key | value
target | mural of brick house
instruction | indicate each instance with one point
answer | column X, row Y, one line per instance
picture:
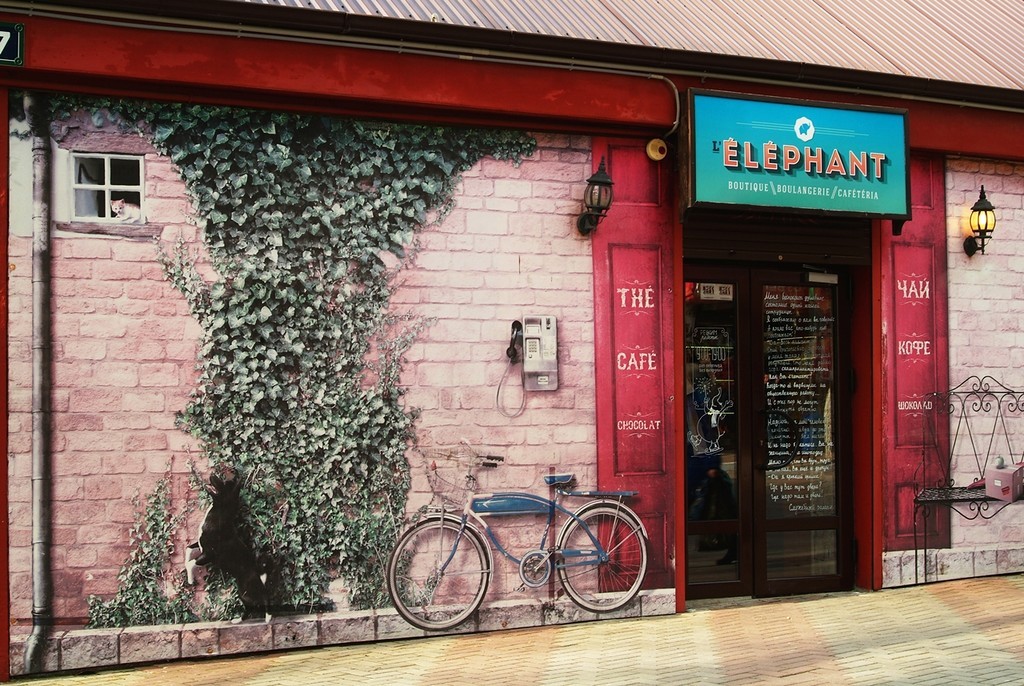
column 675, row 316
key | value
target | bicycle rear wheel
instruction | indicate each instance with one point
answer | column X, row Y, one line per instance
column 438, row 573
column 592, row 584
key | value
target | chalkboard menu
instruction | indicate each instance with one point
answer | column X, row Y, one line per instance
column 799, row 326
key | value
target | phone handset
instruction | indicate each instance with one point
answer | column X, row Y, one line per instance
column 514, row 352
column 534, row 346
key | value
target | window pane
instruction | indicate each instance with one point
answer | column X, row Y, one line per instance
column 712, row 441
column 90, row 171
column 793, row 554
column 799, row 324
column 125, row 172
column 90, row 204
column 712, row 558
column 107, row 187
column 710, row 412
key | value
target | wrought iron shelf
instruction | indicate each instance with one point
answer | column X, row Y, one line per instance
column 978, row 504
column 970, row 423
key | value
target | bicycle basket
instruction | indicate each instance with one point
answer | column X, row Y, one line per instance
column 451, row 471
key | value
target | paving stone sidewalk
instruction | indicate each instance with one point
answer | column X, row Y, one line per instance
column 951, row 633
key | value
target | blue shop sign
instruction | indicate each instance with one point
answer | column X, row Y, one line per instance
column 754, row 151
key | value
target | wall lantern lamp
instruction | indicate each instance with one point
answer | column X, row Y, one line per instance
column 983, row 223
column 597, row 198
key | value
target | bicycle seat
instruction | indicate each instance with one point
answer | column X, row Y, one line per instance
column 559, row 479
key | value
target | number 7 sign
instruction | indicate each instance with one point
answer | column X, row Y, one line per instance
column 12, row 44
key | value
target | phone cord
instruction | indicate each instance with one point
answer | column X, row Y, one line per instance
column 522, row 399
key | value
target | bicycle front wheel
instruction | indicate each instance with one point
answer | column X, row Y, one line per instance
column 592, row 583
column 438, row 573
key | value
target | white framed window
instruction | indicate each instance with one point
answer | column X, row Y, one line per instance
column 107, row 188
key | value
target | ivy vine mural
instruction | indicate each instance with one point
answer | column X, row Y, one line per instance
column 306, row 221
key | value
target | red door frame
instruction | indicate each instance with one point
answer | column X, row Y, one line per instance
column 866, row 364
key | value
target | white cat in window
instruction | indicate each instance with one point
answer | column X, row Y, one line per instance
column 124, row 211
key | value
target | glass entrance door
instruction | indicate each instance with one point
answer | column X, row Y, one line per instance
column 766, row 483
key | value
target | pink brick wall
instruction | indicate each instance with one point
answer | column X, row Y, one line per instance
column 986, row 318
column 509, row 249
column 125, row 349
column 986, row 325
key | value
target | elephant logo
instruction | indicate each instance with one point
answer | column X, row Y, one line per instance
column 804, row 129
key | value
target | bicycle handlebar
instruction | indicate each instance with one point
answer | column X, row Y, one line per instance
column 464, row 458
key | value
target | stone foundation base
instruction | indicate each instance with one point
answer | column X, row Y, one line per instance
column 79, row 649
column 905, row 568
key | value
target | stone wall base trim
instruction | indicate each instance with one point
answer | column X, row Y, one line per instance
column 905, row 568
column 89, row 649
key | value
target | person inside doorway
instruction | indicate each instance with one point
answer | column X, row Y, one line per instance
column 710, row 489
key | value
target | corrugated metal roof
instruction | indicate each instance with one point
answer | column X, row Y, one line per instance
column 977, row 42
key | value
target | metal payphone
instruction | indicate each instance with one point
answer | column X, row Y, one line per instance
column 540, row 353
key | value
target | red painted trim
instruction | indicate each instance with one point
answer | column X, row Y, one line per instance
column 633, row 249
column 861, row 406
column 63, row 54
column 921, row 251
column 866, row 360
column 877, row 547
column 965, row 130
column 679, row 345
column 174, row 64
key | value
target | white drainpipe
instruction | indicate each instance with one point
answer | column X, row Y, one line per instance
column 42, row 583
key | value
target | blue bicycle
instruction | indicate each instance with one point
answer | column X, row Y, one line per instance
column 440, row 569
